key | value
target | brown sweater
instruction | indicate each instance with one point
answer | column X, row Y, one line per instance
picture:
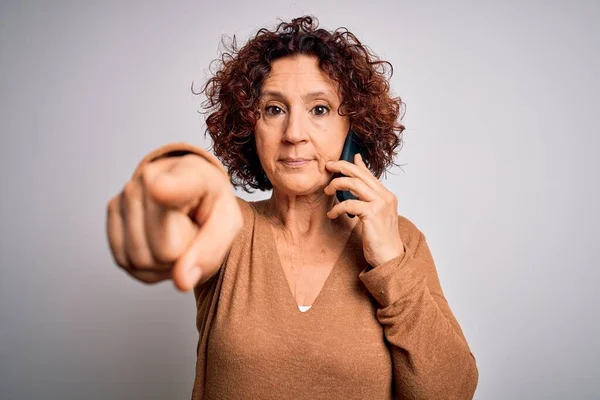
column 372, row 333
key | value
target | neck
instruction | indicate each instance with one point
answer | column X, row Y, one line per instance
column 303, row 217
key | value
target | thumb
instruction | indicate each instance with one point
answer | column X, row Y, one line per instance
column 209, row 248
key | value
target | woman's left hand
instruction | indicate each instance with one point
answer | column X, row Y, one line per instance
column 376, row 207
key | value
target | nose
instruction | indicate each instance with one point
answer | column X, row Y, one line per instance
column 295, row 129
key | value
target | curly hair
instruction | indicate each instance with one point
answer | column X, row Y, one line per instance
column 233, row 94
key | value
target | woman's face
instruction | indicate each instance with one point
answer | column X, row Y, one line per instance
column 299, row 121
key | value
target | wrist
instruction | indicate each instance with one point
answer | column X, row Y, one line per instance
column 398, row 254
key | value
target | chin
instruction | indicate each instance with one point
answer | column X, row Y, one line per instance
column 300, row 186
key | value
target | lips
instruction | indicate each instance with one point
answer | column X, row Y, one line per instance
column 295, row 162
column 290, row 159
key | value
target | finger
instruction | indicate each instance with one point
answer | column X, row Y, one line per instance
column 181, row 185
column 168, row 231
column 386, row 195
column 132, row 208
column 115, row 232
column 213, row 240
column 355, row 185
column 355, row 207
column 355, row 171
column 358, row 160
column 150, row 277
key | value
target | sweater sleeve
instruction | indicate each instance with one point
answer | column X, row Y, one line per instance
column 430, row 355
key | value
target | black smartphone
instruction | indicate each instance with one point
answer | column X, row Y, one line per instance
column 352, row 146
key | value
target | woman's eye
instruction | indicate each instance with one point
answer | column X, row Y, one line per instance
column 320, row 110
column 273, row 110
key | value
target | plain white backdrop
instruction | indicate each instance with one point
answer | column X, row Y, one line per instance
column 500, row 173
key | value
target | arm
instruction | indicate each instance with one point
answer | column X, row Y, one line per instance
column 431, row 357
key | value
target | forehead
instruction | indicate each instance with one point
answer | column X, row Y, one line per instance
column 299, row 73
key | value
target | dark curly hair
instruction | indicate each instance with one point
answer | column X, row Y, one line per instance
column 233, row 93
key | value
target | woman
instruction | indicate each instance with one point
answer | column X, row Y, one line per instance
column 295, row 298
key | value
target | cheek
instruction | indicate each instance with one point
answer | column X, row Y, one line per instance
column 267, row 152
column 261, row 138
column 329, row 150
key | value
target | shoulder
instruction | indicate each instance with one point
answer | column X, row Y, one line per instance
column 247, row 208
column 248, row 211
column 250, row 214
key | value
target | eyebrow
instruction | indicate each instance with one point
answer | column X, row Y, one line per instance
column 307, row 96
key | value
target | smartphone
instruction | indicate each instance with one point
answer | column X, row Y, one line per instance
column 352, row 146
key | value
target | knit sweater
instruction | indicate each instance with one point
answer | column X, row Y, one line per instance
column 372, row 333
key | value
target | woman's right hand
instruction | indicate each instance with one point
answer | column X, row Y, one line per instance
column 175, row 220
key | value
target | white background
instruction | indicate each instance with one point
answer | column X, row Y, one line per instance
column 500, row 173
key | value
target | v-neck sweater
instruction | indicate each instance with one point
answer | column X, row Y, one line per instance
column 378, row 332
